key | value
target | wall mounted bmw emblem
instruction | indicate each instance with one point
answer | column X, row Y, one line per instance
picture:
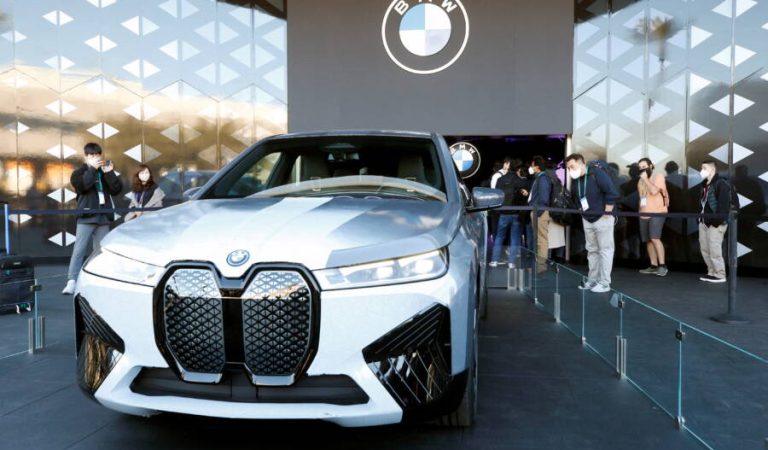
column 425, row 37
column 238, row 258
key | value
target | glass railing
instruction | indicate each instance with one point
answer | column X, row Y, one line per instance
column 711, row 388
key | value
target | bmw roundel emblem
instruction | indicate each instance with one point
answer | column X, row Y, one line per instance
column 466, row 157
column 425, row 36
column 238, row 258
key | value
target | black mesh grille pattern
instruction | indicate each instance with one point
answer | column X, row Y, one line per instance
column 277, row 320
column 194, row 322
column 413, row 360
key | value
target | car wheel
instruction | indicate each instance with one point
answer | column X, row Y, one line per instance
column 464, row 415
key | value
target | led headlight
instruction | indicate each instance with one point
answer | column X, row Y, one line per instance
column 111, row 265
column 421, row 267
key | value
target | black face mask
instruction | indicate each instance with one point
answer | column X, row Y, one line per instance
column 648, row 172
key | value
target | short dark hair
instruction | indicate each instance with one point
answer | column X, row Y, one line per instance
column 647, row 161
column 92, row 148
column 671, row 167
column 574, row 157
column 509, row 160
column 711, row 162
column 516, row 164
column 540, row 162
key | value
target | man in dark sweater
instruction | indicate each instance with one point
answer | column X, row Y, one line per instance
column 715, row 199
column 596, row 194
column 539, row 197
column 95, row 183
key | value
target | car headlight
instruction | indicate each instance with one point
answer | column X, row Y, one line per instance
column 425, row 266
column 111, row 265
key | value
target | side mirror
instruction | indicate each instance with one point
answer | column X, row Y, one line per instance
column 485, row 199
column 190, row 193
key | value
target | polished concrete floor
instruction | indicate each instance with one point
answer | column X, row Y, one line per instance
column 539, row 389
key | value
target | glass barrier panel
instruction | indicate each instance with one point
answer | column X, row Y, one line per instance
column 546, row 278
column 571, row 299
column 602, row 323
column 528, row 266
column 17, row 308
column 652, row 353
column 724, row 392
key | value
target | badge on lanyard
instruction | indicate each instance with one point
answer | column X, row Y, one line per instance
column 643, row 202
column 584, row 204
column 102, row 200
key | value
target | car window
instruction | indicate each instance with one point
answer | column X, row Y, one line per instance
column 357, row 166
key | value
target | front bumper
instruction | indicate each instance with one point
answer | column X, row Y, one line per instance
column 350, row 321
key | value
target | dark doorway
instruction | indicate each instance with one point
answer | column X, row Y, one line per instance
column 495, row 148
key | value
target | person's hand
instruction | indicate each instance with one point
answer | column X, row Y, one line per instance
column 644, row 175
column 524, row 192
column 107, row 169
column 94, row 161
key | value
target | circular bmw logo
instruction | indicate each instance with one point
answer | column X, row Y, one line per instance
column 238, row 258
column 466, row 157
column 425, row 36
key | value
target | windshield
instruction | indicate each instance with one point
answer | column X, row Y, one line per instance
column 353, row 166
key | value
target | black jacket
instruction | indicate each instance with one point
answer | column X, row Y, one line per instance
column 84, row 180
column 715, row 199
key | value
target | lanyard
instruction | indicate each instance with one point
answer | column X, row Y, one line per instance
column 98, row 182
column 583, row 188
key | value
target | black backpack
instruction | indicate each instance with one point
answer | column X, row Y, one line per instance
column 509, row 185
column 735, row 203
column 560, row 197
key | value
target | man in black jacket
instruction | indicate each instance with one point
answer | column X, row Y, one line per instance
column 95, row 183
column 715, row 199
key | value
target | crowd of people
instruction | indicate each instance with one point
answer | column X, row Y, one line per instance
column 595, row 193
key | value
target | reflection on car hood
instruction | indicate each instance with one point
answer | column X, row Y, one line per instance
column 315, row 232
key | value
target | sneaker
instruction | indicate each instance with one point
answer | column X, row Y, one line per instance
column 511, row 265
column 653, row 270
column 601, row 288
column 715, row 280
column 662, row 271
column 69, row 289
column 587, row 285
column 707, row 278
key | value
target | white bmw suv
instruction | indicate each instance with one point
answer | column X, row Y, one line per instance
column 333, row 276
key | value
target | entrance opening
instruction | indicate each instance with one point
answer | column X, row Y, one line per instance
column 493, row 149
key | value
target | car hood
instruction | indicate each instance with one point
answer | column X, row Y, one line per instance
column 315, row 232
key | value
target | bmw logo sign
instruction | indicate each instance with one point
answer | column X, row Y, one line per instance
column 238, row 258
column 466, row 157
column 425, row 36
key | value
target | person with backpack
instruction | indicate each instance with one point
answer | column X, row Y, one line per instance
column 539, row 197
column 716, row 198
column 652, row 191
column 509, row 225
column 596, row 195
column 500, row 172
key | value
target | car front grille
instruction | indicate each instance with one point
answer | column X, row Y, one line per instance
column 194, row 324
column 267, row 327
column 277, row 318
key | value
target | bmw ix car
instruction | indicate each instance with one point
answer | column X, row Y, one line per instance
column 333, row 276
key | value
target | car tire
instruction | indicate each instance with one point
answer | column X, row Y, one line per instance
column 464, row 415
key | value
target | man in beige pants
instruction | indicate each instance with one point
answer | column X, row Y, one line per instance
column 539, row 197
column 715, row 199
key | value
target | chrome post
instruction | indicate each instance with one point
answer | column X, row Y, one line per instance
column 40, row 344
column 31, row 336
column 680, row 423
column 557, row 307
column 512, row 279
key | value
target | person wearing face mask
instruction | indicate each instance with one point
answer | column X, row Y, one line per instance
column 715, row 199
column 95, row 183
column 652, row 190
column 145, row 193
column 541, row 191
column 594, row 191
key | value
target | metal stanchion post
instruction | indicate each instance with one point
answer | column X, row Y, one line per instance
column 731, row 317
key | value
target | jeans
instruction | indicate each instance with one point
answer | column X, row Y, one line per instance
column 82, row 236
column 509, row 225
column 600, row 249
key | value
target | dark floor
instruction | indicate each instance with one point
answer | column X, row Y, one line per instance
column 539, row 389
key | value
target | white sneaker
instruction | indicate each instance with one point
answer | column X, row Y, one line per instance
column 601, row 288
column 587, row 285
column 493, row 263
column 69, row 289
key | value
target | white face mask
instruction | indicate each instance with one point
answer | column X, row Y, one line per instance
column 531, row 171
column 704, row 173
column 144, row 176
column 575, row 174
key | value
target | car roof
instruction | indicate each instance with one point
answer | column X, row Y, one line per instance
column 331, row 133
